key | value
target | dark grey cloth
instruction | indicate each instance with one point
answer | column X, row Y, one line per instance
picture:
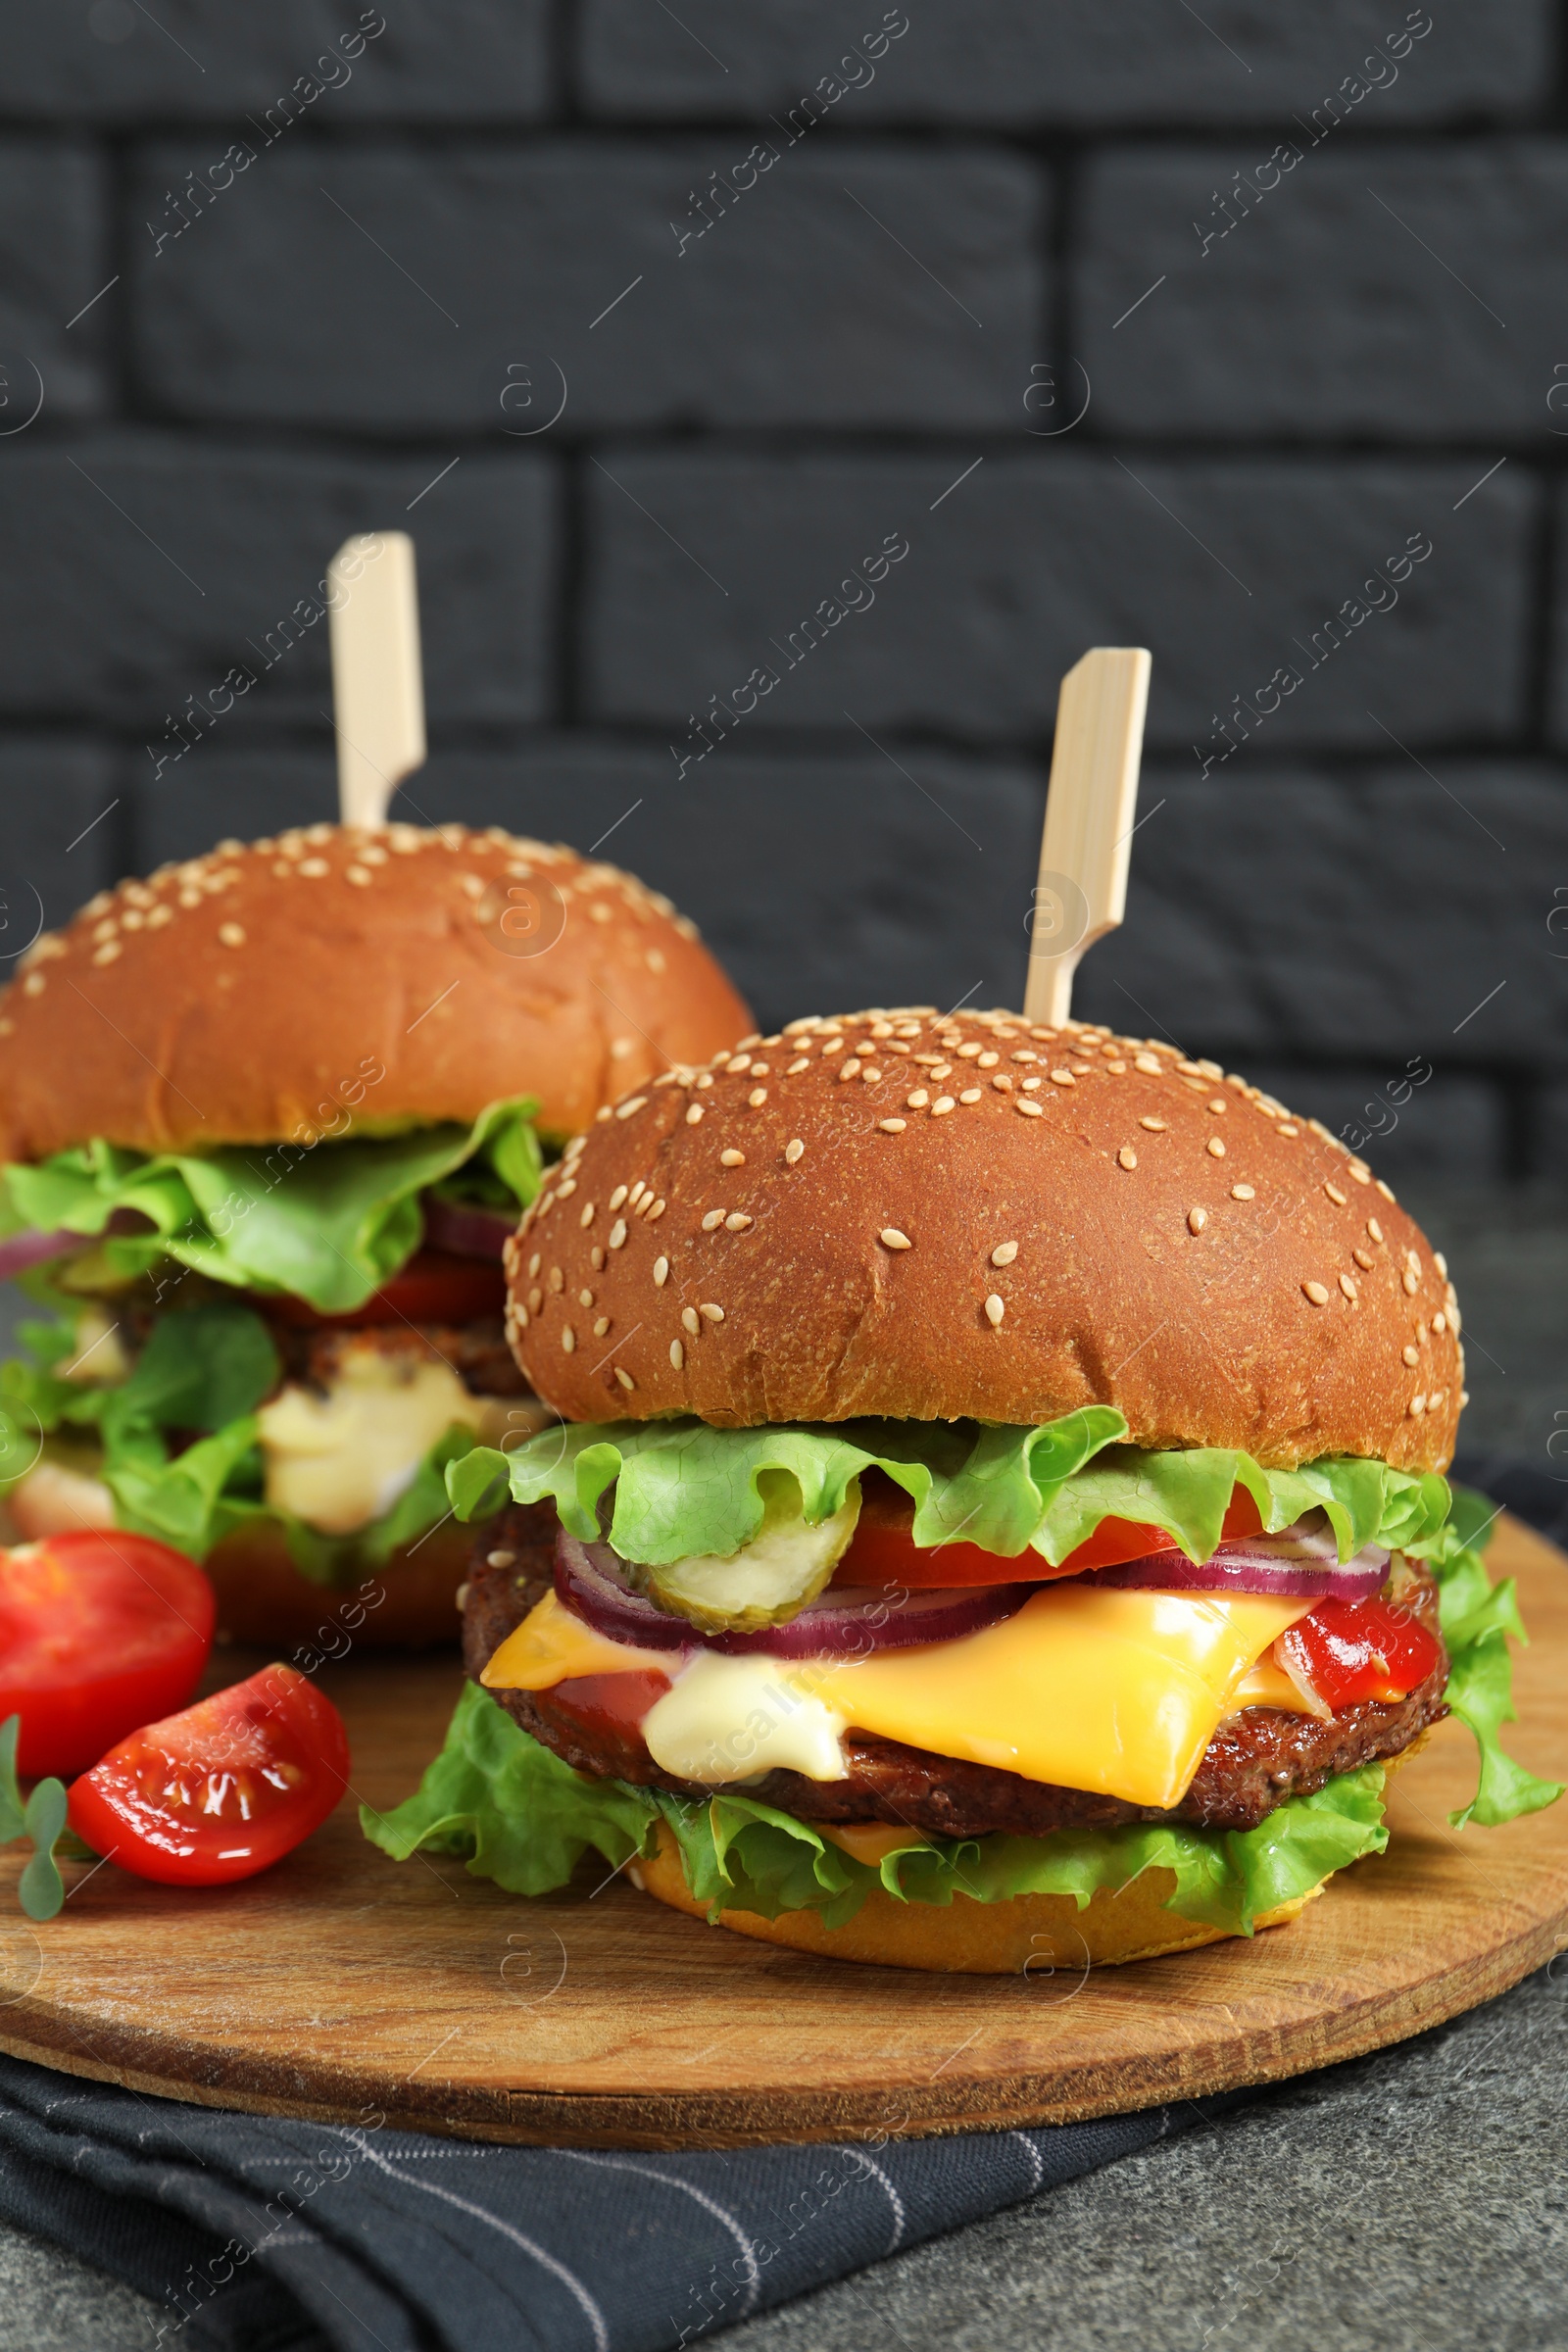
column 268, row 2236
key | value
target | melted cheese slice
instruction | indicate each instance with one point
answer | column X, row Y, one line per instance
column 1119, row 1693
column 339, row 1459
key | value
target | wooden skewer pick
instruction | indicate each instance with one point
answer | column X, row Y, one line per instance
column 378, row 681
column 1081, row 892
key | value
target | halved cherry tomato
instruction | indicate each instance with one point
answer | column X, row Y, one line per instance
column 883, row 1551
column 99, row 1631
column 610, row 1702
column 1350, row 1651
column 223, row 1791
column 434, row 1286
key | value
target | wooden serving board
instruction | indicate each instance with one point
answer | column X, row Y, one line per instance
column 341, row 1982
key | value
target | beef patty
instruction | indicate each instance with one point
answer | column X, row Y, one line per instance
column 1255, row 1761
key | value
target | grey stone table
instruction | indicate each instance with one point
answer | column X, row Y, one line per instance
column 1416, row 2200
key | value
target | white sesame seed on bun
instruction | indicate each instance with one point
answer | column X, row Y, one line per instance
column 226, row 1000
column 934, row 1218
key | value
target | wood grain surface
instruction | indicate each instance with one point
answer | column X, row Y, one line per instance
column 341, row 1982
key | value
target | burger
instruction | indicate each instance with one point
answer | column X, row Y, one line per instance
column 997, row 1517
column 265, row 1122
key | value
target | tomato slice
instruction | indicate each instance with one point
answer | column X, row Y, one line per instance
column 434, row 1286
column 223, row 1791
column 1348, row 1651
column 882, row 1551
column 99, row 1632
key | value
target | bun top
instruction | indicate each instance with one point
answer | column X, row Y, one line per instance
column 929, row 1218
column 225, row 1000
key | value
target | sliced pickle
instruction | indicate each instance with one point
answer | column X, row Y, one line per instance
column 769, row 1580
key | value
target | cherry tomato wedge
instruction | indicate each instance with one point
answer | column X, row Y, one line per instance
column 223, row 1791
column 99, row 1632
column 434, row 1286
column 882, row 1551
column 1348, row 1651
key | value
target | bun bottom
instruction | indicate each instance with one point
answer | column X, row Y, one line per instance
column 1035, row 1934
column 410, row 1604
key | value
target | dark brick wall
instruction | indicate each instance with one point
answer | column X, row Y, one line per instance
column 1048, row 323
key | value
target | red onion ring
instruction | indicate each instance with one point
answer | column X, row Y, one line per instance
column 25, row 1250
column 855, row 1620
column 1301, row 1564
column 467, row 1229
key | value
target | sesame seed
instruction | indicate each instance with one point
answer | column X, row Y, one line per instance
column 568, row 1339
column 1154, row 1126
column 1062, row 1078
column 564, row 1189
column 802, row 1061
column 1435, row 1399
column 1126, row 1157
column 623, row 1110
column 535, row 1262
column 1335, row 1195
column 586, row 1217
column 233, row 935
column 617, row 1233
column 519, row 1316
column 758, row 1095
column 1316, row 1293
column 555, row 1279
column 760, row 1069
column 941, row 1106
column 917, row 1100
column 596, row 1258
column 1004, row 1253
column 1243, row 1191
column 677, row 1354
column 893, row 1126
column 1411, row 1355
column 1196, row 1219
column 1148, row 1063
column 688, row 1315
column 732, row 1158
column 1030, row 1111
column 737, row 1221
column 1440, row 1263
column 1032, row 1085
column 314, row 867
column 1347, row 1287
column 988, row 1061
column 713, row 1221
column 602, row 1326
column 712, row 1313
column 871, row 1075
column 970, row 1094
column 1289, row 1128
column 694, row 1113
column 107, row 954
column 585, row 1298
column 1364, row 1258
column 736, row 1064
column 617, row 1197
column 793, row 1151
column 362, row 875
column 1360, row 1173
column 1418, row 1405
column 660, row 1272
column 1374, row 1228
column 1440, row 1322
column 1216, row 1150
column 1380, row 1186
column 1003, row 1085
column 995, row 1309
column 624, row 1377
column 891, row 1239
column 1411, row 1283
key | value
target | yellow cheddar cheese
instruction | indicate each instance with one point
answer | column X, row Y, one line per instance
column 1119, row 1693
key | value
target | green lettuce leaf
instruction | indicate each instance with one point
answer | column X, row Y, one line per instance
column 682, row 1487
column 524, row 1819
column 1478, row 1619
column 329, row 1223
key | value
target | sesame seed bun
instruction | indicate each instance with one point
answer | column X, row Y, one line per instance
column 898, row 1214
column 243, row 997
column 1035, row 1935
